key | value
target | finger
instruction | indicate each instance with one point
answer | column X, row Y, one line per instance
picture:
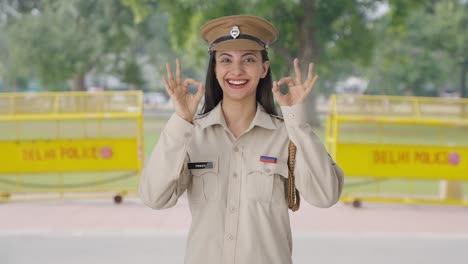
column 276, row 90
column 166, row 85
column 287, row 80
column 169, row 73
column 189, row 81
column 311, row 71
column 311, row 84
column 297, row 71
column 314, row 80
column 178, row 72
column 200, row 92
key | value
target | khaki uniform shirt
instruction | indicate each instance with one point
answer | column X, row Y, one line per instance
column 238, row 203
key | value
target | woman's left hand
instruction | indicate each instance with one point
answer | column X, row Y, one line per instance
column 298, row 91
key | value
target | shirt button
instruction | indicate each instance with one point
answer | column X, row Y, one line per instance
column 234, row 175
column 187, row 134
column 267, row 170
column 231, row 237
column 236, row 149
column 291, row 115
column 233, row 209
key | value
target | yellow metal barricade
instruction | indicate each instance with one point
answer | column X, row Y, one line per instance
column 70, row 144
column 400, row 149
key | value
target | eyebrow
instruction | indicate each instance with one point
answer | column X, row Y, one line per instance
column 243, row 55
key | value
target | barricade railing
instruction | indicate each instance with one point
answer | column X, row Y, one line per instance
column 70, row 144
column 400, row 149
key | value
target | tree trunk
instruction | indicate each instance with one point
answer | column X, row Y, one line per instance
column 309, row 51
column 78, row 83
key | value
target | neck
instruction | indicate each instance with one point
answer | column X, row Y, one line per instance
column 239, row 115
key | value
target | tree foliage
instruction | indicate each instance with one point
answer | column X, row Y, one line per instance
column 415, row 48
column 62, row 40
column 421, row 55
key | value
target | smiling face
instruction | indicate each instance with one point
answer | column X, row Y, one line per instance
column 238, row 73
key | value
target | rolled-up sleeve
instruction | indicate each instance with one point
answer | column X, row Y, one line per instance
column 165, row 176
column 318, row 178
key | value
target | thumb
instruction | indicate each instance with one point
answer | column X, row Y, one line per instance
column 276, row 91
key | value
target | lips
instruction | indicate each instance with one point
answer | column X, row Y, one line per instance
column 237, row 83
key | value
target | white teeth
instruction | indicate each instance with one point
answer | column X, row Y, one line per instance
column 236, row 82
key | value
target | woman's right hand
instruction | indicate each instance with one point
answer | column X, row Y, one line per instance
column 185, row 103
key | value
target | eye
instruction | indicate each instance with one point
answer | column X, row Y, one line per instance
column 250, row 60
column 224, row 60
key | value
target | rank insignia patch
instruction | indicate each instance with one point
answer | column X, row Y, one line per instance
column 268, row 159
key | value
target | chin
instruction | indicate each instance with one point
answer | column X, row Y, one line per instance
column 238, row 97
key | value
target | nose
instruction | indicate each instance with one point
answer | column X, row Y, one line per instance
column 237, row 68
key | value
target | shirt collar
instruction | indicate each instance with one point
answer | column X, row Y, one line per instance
column 262, row 119
column 216, row 117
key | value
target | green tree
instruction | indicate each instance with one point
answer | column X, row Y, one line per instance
column 61, row 40
column 421, row 54
column 9, row 72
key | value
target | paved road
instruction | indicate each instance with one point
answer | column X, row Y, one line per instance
column 98, row 232
column 141, row 248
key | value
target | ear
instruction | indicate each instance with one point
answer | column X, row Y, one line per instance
column 265, row 66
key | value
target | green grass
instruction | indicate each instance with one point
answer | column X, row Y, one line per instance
column 152, row 127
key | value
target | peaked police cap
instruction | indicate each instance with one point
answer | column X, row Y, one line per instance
column 240, row 32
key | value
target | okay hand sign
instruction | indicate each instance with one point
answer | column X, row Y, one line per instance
column 298, row 91
column 185, row 103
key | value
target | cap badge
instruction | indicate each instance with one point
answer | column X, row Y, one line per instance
column 235, row 32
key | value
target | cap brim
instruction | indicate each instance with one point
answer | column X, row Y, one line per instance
column 238, row 44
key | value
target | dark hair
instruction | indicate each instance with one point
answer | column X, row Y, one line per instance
column 214, row 93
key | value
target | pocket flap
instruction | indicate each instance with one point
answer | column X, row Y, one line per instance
column 280, row 168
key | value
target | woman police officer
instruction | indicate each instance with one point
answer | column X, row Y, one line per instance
column 232, row 159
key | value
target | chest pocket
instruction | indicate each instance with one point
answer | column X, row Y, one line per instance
column 204, row 185
column 266, row 182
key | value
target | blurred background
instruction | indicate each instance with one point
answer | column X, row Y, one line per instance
column 386, row 47
column 82, row 103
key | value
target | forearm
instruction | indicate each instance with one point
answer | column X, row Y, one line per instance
column 318, row 177
column 165, row 177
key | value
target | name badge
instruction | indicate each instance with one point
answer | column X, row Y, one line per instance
column 200, row 165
